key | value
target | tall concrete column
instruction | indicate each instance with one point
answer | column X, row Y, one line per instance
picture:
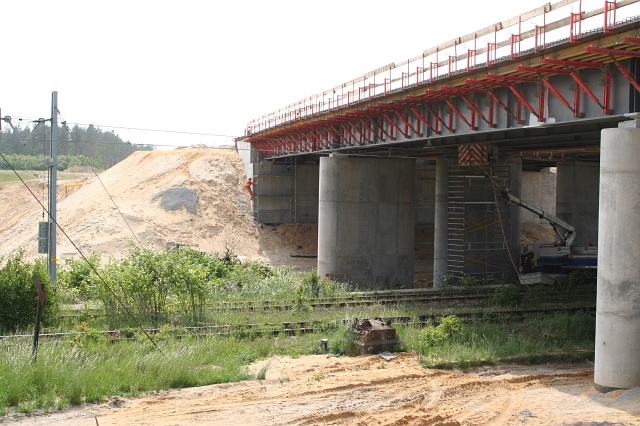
column 617, row 364
column 441, row 224
column 366, row 220
column 577, row 199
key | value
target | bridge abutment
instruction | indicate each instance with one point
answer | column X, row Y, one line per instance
column 617, row 365
column 366, row 220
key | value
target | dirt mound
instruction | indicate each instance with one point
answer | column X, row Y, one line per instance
column 193, row 196
column 534, row 232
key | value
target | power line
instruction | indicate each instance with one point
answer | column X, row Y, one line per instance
column 83, row 256
column 159, row 130
column 103, row 126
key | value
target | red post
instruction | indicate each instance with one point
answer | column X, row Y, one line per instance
column 471, row 60
column 609, row 16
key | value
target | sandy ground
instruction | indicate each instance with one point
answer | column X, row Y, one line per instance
column 321, row 390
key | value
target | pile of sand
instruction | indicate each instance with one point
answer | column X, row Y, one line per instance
column 192, row 196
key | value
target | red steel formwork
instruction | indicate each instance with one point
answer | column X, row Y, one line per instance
column 365, row 116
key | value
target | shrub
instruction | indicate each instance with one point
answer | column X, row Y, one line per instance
column 347, row 344
column 18, row 296
column 449, row 329
column 508, row 295
column 79, row 276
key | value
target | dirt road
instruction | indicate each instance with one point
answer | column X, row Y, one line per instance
column 320, row 390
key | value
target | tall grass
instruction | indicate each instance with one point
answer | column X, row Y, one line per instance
column 559, row 337
column 91, row 369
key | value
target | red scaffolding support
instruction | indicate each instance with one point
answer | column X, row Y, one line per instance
column 575, row 25
column 609, row 16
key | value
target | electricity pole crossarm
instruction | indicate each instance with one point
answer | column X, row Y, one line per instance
column 7, row 119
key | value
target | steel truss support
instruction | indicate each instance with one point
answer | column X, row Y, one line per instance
column 439, row 120
column 383, row 131
column 423, row 120
column 551, row 87
column 394, row 125
column 617, row 53
column 407, row 124
column 363, row 138
column 463, row 93
column 444, row 95
column 510, row 81
column 580, row 64
column 362, row 116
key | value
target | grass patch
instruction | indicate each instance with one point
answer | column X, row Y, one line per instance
column 8, row 176
column 561, row 337
column 88, row 368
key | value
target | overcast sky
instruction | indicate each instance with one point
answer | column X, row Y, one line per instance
column 210, row 66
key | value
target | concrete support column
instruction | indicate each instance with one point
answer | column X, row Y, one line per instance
column 366, row 220
column 441, row 224
column 577, row 199
column 617, row 364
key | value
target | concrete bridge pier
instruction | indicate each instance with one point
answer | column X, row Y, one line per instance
column 577, row 199
column 366, row 220
column 440, row 232
column 617, row 364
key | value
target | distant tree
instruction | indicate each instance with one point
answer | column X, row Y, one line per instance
column 76, row 146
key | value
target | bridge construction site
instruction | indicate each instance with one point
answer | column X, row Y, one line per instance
column 431, row 160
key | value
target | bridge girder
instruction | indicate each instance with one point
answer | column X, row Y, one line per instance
column 542, row 110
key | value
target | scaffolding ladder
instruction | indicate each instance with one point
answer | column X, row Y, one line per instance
column 477, row 247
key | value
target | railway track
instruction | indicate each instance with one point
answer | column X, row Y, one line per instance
column 363, row 299
column 249, row 330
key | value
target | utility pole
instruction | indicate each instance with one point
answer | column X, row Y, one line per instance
column 53, row 184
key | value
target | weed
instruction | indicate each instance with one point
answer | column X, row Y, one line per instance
column 262, row 374
column 346, row 344
column 508, row 295
column 317, row 377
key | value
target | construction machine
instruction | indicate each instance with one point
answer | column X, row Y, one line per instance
column 559, row 257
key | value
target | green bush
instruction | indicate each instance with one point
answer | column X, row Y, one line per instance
column 78, row 276
column 18, row 297
column 346, row 345
column 508, row 295
column 449, row 329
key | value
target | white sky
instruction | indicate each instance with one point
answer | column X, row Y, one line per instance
column 210, row 66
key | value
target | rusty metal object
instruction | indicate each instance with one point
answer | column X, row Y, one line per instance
column 375, row 336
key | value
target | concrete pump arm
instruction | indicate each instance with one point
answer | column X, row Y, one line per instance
column 570, row 232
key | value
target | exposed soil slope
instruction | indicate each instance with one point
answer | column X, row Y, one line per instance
column 136, row 200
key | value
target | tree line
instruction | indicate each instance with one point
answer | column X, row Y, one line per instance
column 77, row 146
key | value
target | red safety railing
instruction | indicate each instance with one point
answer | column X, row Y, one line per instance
column 505, row 37
column 609, row 16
